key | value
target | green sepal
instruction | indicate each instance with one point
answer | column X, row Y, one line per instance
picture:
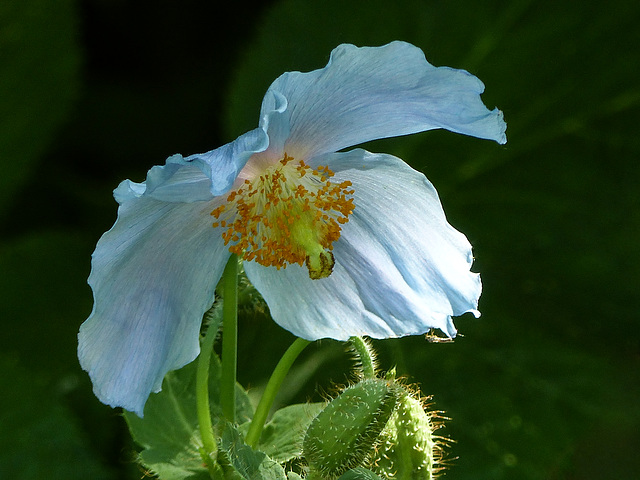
column 245, row 462
column 344, row 435
column 282, row 437
column 359, row 474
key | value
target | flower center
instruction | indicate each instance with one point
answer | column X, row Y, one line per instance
column 289, row 214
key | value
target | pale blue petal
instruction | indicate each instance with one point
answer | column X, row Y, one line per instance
column 401, row 269
column 223, row 164
column 314, row 309
column 274, row 120
column 153, row 276
column 377, row 92
column 176, row 181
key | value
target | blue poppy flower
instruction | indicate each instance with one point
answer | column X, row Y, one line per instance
column 339, row 243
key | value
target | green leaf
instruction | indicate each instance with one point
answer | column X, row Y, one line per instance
column 282, row 437
column 169, row 432
column 359, row 474
column 248, row 463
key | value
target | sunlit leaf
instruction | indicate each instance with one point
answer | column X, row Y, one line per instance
column 248, row 463
column 169, row 432
column 282, row 437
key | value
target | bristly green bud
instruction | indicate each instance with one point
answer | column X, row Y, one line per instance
column 409, row 450
column 345, row 434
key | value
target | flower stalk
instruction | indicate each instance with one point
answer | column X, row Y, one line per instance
column 202, row 399
column 229, row 286
column 366, row 356
column 272, row 388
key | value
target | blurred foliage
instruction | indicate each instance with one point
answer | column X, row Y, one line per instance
column 39, row 67
column 40, row 438
column 544, row 385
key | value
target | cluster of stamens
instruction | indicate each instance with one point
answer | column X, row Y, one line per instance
column 291, row 213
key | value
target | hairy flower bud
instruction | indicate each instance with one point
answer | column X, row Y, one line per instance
column 345, row 434
column 408, row 448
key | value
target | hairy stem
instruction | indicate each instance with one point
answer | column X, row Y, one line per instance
column 366, row 355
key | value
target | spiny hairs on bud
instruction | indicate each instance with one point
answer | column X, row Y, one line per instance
column 409, row 450
column 345, row 434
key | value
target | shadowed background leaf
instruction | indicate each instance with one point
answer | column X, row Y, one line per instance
column 39, row 79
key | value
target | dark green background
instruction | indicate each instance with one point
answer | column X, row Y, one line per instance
column 545, row 385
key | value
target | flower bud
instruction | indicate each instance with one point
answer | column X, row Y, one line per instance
column 345, row 434
column 408, row 448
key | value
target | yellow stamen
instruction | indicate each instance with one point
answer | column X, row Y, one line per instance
column 289, row 214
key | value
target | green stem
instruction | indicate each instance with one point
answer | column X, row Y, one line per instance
column 270, row 391
column 366, row 355
column 229, row 286
column 202, row 399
